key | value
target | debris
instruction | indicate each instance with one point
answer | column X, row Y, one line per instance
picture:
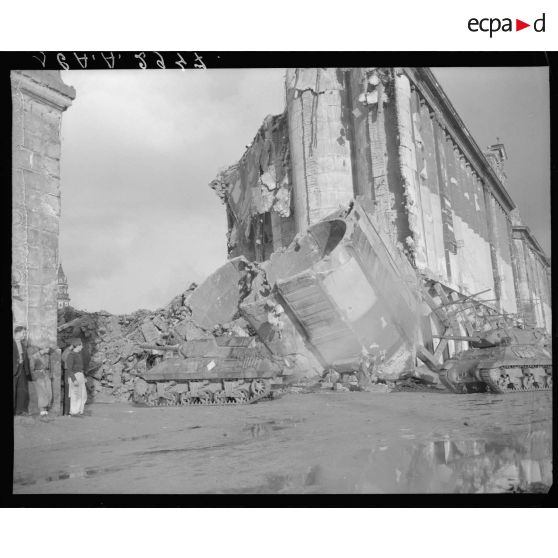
column 378, row 388
column 112, row 352
column 340, row 387
column 331, row 377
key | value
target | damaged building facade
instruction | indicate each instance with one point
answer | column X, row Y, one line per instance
column 390, row 135
column 389, row 142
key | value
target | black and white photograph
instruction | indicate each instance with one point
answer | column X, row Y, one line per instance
column 280, row 280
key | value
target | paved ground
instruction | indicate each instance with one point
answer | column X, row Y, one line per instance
column 324, row 442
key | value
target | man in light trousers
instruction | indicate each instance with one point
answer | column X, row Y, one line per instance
column 76, row 379
column 39, row 362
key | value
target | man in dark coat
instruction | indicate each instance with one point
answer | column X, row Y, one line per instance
column 22, row 373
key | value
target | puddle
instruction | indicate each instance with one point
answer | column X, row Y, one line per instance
column 133, row 438
column 26, row 480
column 280, row 483
column 181, row 450
column 477, row 444
column 508, row 463
column 263, row 428
column 516, row 464
column 503, row 463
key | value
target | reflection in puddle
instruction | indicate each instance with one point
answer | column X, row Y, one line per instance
column 502, row 464
column 484, row 466
column 506, row 464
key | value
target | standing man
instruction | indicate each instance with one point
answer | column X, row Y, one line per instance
column 39, row 363
column 76, row 379
column 21, row 372
column 274, row 312
column 65, row 378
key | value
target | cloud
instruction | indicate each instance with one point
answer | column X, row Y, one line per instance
column 139, row 222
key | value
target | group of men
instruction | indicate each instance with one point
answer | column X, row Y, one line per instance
column 31, row 363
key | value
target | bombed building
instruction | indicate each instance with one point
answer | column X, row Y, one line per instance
column 376, row 265
column 391, row 137
column 366, row 231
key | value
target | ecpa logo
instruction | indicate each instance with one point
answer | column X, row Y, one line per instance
column 494, row 24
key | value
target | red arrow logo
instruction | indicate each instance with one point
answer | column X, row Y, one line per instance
column 519, row 25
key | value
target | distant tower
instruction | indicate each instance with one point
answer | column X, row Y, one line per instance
column 496, row 155
column 63, row 296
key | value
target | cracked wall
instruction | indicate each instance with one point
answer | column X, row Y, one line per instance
column 319, row 142
column 532, row 276
column 392, row 136
column 257, row 193
column 430, row 193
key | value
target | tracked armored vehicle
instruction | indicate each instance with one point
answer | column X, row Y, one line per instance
column 225, row 370
column 502, row 360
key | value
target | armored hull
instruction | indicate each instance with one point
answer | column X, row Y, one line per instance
column 516, row 360
column 223, row 370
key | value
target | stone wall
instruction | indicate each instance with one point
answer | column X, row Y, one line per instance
column 38, row 98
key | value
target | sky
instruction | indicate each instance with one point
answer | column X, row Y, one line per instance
column 139, row 148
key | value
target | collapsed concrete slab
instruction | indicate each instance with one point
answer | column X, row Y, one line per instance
column 216, row 300
column 339, row 297
column 352, row 296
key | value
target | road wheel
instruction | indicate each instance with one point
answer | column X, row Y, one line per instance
column 259, row 387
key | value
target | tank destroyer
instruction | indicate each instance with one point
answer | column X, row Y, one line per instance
column 226, row 370
column 503, row 359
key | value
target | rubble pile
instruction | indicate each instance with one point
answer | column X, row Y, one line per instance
column 112, row 349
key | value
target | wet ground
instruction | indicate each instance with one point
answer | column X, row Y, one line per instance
column 322, row 442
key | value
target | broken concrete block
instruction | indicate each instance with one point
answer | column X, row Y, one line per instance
column 300, row 361
column 216, row 300
column 150, row 332
column 117, row 375
column 426, row 375
column 332, row 377
column 98, row 373
column 92, row 384
column 186, row 330
column 160, row 324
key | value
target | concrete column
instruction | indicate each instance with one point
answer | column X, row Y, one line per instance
column 408, row 168
column 375, row 102
column 319, row 143
column 491, row 224
column 38, row 98
column 524, row 303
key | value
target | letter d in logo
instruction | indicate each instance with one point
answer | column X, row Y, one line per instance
column 539, row 24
